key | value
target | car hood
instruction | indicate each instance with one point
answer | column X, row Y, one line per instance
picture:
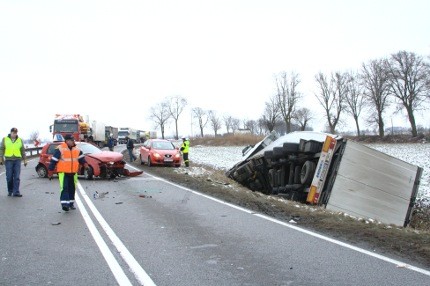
column 164, row 152
column 107, row 156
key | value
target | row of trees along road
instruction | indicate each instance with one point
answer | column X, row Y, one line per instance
column 402, row 80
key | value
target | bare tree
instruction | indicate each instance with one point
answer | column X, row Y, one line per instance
column 408, row 77
column 215, row 122
column 302, row 117
column 235, row 124
column 271, row 114
column 332, row 97
column 202, row 117
column 261, row 126
column 252, row 125
column 34, row 135
column 160, row 114
column 176, row 106
column 287, row 96
column 355, row 100
column 228, row 122
column 376, row 90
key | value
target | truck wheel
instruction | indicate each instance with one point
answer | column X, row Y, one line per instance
column 297, row 172
column 268, row 154
column 89, row 173
column 290, row 147
column 307, row 173
column 278, row 152
column 42, row 172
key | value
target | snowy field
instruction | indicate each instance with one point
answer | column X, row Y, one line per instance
column 417, row 154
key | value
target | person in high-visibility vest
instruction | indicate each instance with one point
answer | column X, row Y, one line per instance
column 13, row 151
column 185, row 150
column 67, row 158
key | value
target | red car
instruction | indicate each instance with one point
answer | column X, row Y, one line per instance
column 103, row 164
column 160, row 152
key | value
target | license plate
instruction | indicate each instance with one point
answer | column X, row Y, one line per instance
column 168, row 160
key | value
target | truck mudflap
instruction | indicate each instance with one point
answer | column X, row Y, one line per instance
column 127, row 173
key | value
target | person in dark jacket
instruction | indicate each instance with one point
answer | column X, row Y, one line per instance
column 130, row 148
column 67, row 158
column 110, row 142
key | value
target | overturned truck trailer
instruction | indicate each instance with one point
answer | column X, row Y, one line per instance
column 328, row 170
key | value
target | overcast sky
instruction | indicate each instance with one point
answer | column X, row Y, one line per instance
column 70, row 56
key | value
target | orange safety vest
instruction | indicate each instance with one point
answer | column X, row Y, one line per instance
column 68, row 162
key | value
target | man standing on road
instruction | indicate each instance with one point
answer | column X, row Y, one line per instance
column 67, row 158
column 130, row 148
column 13, row 150
column 185, row 148
column 111, row 142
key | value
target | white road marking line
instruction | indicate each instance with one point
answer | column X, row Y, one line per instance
column 114, row 266
column 340, row 243
column 135, row 267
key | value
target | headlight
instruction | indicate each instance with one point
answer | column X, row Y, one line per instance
column 156, row 155
column 178, row 155
column 111, row 163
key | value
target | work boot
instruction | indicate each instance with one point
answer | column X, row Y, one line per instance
column 17, row 195
column 65, row 208
column 72, row 207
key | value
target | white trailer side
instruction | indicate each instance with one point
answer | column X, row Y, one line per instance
column 372, row 184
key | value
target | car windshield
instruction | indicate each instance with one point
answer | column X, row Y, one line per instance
column 163, row 145
column 88, row 148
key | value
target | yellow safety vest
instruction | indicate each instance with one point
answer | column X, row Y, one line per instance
column 12, row 148
column 186, row 146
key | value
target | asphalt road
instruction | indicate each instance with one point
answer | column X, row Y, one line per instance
column 144, row 230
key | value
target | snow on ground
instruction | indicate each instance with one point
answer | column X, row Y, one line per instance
column 224, row 158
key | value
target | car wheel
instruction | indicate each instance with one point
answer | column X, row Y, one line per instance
column 141, row 161
column 149, row 162
column 307, row 173
column 89, row 173
column 42, row 172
